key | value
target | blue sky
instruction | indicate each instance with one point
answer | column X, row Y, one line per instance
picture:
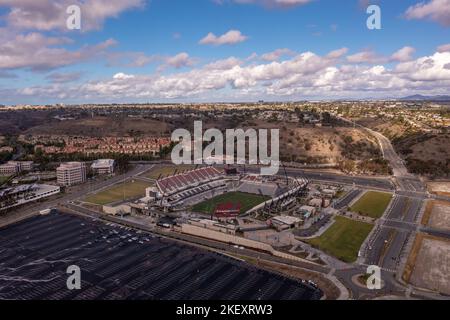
column 136, row 50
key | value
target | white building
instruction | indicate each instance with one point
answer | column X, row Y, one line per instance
column 285, row 222
column 316, row 202
column 8, row 169
column 13, row 197
column 71, row 173
column 307, row 211
column 103, row 166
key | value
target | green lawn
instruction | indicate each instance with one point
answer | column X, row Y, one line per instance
column 372, row 204
column 246, row 200
column 127, row 190
column 3, row 179
column 165, row 171
column 343, row 239
column 340, row 194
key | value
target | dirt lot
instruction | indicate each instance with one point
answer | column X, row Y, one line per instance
column 439, row 188
column 432, row 265
column 440, row 216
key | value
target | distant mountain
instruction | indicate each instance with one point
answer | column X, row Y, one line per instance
column 419, row 97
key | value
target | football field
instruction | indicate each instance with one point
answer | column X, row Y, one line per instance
column 246, row 200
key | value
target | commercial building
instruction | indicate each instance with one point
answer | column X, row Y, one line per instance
column 15, row 167
column 214, row 225
column 13, row 197
column 71, row 173
column 316, row 202
column 285, row 222
column 103, row 166
column 25, row 165
column 8, row 169
column 307, row 211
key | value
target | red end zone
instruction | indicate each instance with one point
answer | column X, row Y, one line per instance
column 227, row 210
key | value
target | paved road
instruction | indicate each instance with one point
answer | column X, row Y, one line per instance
column 387, row 150
column 347, row 199
column 365, row 182
column 393, row 231
column 436, row 233
column 397, row 163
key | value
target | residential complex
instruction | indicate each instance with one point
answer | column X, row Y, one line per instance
column 61, row 144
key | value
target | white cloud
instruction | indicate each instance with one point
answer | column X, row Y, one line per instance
column 435, row 10
column 231, row 37
column 302, row 76
column 45, row 15
column 268, row 3
column 122, row 76
column 444, row 48
column 367, row 56
column 36, row 52
column 180, row 60
column 224, row 64
column 430, row 68
column 404, row 54
column 336, row 54
column 277, row 54
column 63, row 77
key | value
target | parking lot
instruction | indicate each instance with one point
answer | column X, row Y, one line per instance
column 120, row 263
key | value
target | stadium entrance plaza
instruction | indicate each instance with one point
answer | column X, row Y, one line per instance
column 273, row 237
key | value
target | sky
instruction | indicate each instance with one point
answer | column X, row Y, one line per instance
column 221, row 50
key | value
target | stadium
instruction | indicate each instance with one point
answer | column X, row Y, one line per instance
column 223, row 193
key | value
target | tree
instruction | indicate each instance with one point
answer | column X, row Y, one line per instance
column 41, row 159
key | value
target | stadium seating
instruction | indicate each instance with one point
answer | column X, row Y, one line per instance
column 179, row 182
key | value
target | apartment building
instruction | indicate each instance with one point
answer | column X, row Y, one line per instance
column 71, row 173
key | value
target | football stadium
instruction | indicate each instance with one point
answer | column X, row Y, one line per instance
column 223, row 192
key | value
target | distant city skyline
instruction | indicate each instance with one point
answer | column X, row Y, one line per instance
column 221, row 51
